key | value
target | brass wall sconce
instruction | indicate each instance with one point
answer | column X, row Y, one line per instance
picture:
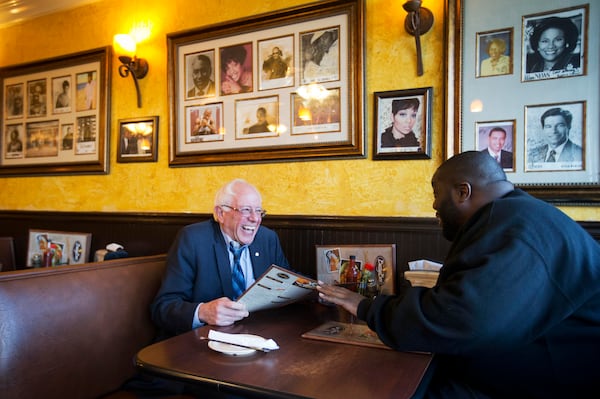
column 130, row 64
column 418, row 22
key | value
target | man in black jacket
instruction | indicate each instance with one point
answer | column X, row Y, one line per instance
column 515, row 312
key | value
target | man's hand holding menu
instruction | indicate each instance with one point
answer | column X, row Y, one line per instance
column 276, row 287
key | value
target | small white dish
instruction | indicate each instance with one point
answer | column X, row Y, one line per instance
column 231, row 349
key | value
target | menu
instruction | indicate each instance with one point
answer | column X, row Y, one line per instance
column 277, row 287
column 347, row 333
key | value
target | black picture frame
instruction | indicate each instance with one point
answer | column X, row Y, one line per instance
column 395, row 111
column 138, row 140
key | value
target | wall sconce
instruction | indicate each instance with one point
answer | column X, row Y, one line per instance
column 418, row 22
column 125, row 47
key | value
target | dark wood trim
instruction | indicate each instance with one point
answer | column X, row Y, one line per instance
column 152, row 233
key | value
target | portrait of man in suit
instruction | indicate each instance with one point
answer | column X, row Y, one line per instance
column 496, row 142
column 202, row 83
column 558, row 151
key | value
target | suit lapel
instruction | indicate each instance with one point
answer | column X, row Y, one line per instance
column 221, row 254
column 254, row 251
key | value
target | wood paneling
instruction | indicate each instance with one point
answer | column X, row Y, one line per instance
column 152, row 233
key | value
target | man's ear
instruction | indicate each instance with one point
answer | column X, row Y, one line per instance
column 218, row 212
column 463, row 191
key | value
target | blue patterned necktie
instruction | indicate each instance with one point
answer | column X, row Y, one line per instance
column 551, row 157
column 238, row 280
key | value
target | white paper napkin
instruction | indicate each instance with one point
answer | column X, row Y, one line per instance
column 424, row 264
column 251, row 341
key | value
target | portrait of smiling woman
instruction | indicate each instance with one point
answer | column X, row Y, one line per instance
column 402, row 124
column 495, row 53
column 404, row 118
column 554, row 46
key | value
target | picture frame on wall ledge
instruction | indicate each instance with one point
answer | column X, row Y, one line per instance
column 57, row 248
column 54, row 115
column 278, row 86
column 552, row 98
column 332, row 261
column 138, row 140
column 402, row 124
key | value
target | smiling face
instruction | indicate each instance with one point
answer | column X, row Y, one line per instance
column 201, row 72
column 552, row 44
column 234, row 70
column 404, row 120
column 241, row 228
column 496, row 140
column 494, row 51
column 556, row 130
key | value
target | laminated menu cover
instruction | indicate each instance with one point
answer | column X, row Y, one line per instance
column 277, row 287
column 346, row 333
column 355, row 333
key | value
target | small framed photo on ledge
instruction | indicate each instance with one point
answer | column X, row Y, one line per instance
column 402, row 124
column 57, row 248
column 138, row 140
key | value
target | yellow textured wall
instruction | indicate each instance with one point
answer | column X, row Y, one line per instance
column 339, row 187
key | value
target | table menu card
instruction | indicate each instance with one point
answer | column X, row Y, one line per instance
column 277, row 287
column 347, row 333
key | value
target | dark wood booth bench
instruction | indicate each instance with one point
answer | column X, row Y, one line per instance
column 72, row 331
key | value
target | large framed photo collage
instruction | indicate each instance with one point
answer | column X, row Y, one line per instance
column 524, row 89
column 287, row 85
column 54, row 115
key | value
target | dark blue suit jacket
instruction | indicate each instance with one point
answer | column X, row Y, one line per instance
column 506, row 158
column 198, row 270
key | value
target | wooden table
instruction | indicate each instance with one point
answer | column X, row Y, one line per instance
column 301, row 368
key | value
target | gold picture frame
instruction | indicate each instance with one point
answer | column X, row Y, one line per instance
column 471, row 100
column 54, row 115
column 313, row 51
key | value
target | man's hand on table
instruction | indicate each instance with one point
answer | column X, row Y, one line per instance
column 222, row 312
column 343, row 297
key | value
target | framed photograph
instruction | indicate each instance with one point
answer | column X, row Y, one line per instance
column 320, row 55
column 61, row 94
column 276, row 61
column 525, row 95
column 36, row 94
column 315, row 113
column 14, row 139
column 555, row 137
column 402, row 124
column 497, row 138
column 554, row 44
column 60, row 247
column 332, row 262
column 200, row 74
column 236, row 69
column 287, row 85
column 55, row 117
column 14, row 101
column 494, row 52
column 66, row 136
column 204, row 123
column 138, row 140
column 257, row 117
